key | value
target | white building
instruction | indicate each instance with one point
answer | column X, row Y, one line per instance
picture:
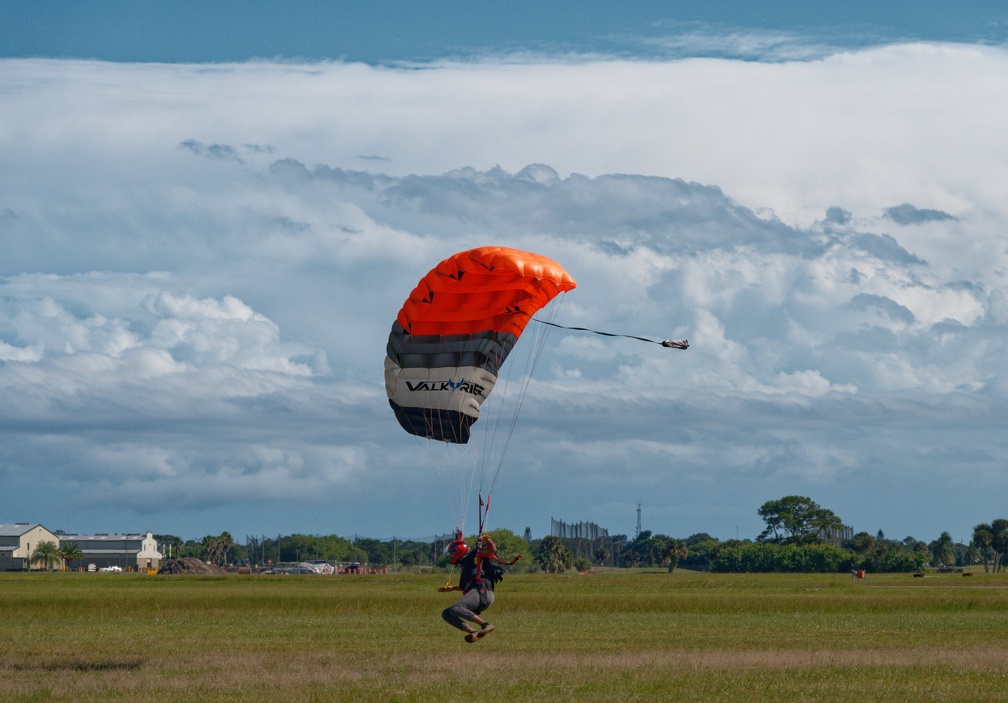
column 18, row 541
column 138, row 552
column 128, row 551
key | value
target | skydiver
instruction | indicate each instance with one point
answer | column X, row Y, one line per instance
column 479, row 573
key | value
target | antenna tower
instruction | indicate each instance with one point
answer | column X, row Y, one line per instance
column 637, row 534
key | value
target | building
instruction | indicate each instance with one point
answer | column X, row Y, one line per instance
column 128, row 551
column 18, row 541
column 134, row 551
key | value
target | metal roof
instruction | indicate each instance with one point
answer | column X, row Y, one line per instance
column 17, row 529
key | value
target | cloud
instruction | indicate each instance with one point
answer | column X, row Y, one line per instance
column 213, row 151
column 890, row 308
column 199, row 278
column 907, row 214
column 692, row 40
column 149, row 352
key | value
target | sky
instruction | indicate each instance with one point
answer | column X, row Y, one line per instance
column 210, row 216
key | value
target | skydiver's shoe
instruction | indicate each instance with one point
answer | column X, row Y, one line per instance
column 486, row 630
column 472, row 637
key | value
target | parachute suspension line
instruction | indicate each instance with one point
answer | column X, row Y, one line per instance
column 499, row 418
column 455, row 504
column 536, row 345
column 670, row 343
column 503, row 403
column 454, row 465
column 483, row 512
column 467, row 461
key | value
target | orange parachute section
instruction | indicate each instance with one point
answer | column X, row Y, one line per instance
column 456, row 329
column 489, row 289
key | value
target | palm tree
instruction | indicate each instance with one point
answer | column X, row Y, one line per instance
column 554, row 555
column 942, row 550
column 45, row 554
column 999, row 542
column 70, row 552
column 224, row 544
column 602, row 556
column 982, row 538
column 674, row 550
column 210, row 547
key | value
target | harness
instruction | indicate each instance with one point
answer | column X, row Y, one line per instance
column 478, row 580
column 496, row 573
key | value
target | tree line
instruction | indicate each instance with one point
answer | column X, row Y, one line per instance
column 800, row 536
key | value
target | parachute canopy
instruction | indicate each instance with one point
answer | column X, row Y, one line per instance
column 455, row 330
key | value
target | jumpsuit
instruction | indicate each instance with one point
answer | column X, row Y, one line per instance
column 476, row 597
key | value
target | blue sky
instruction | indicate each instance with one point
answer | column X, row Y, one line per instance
column 210, row 218
column 386, row 31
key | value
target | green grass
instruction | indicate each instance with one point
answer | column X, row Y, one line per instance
column 639, row 636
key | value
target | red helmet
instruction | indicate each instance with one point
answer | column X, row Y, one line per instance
column 457, row 549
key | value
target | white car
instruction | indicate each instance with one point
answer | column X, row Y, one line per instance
column 111, row 569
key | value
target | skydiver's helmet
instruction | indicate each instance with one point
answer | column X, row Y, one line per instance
column 485, row 546
column 457, row 549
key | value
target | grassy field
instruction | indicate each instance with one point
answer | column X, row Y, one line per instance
column 639, row 636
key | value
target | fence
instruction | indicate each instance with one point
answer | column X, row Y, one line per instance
column 584, row 539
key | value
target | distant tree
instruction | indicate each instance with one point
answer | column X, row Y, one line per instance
column 225, row 542
column 965, row 554
column 817, row 557
column 552, row 555
column 335, row 548
column 647, row 549
column 972, row 553
column 999, row 542
column 237, row 554
column 862, row 542
column 796, row 520
column 299, row 547
column 702, row 548
column 880, row 555
column 412, row 553
column 982, row 539
column 942, row 552
column 378, row 552
column 655, row 550
column 630, row 559
column 674, row 551
column 699, row 537
column 510, row 545
column 169, row 545
column 618, row 543
column 45, row 554
column 210, row 548
column 71, row 551
column 602, row 556
column 215, row 549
